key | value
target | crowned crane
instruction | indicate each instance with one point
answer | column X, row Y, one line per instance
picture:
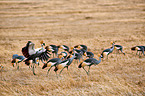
column 139, row 48
column 31, row 53
column 64, row 55
column 89, row 62
column 89, row 54
column 64, row 47
column 65, row 63
column 52, row 62
column 16, row 59
column 119, row 48
column 54, row 49
column 108, row 51
column 78, row 55
column 81, row 47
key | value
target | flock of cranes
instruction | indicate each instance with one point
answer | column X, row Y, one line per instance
column 64, row 59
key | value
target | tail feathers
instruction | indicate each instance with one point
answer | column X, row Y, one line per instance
column 133, row 48
column 80, row 65
column 55, row 69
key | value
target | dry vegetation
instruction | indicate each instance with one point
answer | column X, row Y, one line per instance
column 94, row 23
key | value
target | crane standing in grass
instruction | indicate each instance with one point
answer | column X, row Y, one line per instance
column 119, row 48
column 65, row 63
column 31, row 53
column 16, row 59
column 108, row 51
column 52, row 62
column 139, row 49
column 89, row 62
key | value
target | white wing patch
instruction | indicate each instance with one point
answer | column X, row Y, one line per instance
column 105, row 53
column 64, row 64
column 87, row 63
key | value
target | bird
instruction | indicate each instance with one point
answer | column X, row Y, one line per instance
column 54, row 49
column 52, row 62
column 89, row 62
column 31, row 54
column 64, row 55
column 16, row 59
column 140, row 49
column 119, row 48
column 107, row 51
column 89, row 54
column 64, row 47
column 83, row 51
column 81, row 46
column 65, row 63
column 78, row 55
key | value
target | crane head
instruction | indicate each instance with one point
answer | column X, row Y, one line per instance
column 112, row 42
column 99, row 55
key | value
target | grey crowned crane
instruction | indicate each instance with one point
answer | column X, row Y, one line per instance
column 64, row 55
column 32, row 54
column 89, row 62
column 108, row 51
column 64, row 47
column 54, row 49
column 119, row 48
column 52, row 62
column 139, row 49
column 89, row 54
column 81, row 47
column 16, row 59
column 65, row 63
column 78, row 55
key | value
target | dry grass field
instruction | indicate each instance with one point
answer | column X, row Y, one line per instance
column 94, row 23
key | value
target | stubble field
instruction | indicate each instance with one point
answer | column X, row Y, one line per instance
column 94, row 23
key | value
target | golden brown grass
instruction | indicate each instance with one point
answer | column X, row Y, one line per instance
column 94, row 23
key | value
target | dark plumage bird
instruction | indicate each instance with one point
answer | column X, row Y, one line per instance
column 64, row 55
column 139, row 49
column 81, row 47
column 89, row 62
column 31, row 53
column 52, row 62
column 16, row 59
column 119, row 48
column 54, row 49
column 89, row 54
column 78, row 55
column 65, row 63
column 64, row 47
column 108, row 51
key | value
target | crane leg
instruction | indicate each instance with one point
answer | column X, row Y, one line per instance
column 89, row 70
column 49, row 70
column 18, row 66
column 61, row 71
column 85, row 70
column 33, row 69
